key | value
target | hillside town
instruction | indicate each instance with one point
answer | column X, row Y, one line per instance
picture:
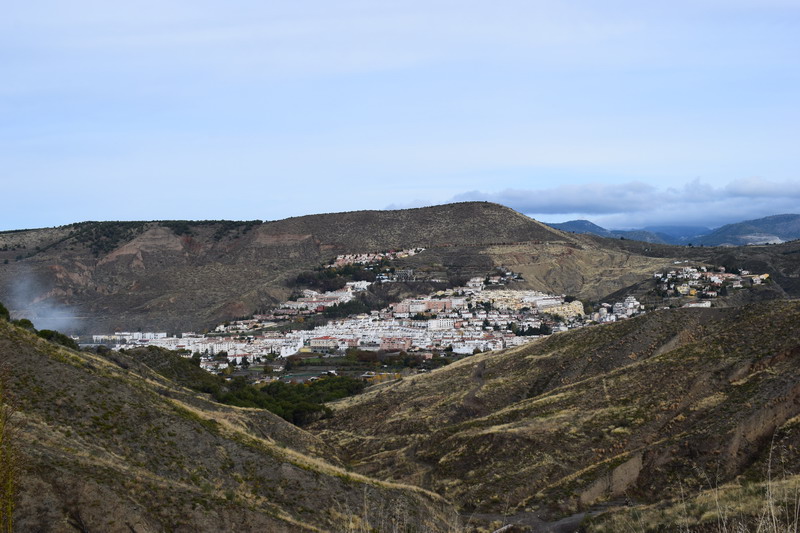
column 373, row 257
column 458, row 321
column 483, row 315
column 704, row 284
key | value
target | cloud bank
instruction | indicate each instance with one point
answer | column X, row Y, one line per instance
column 638, row 204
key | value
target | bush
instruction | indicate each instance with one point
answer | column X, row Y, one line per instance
column 58, row 338
column 24, row 323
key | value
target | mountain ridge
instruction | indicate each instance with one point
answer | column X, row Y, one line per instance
column 766, row 230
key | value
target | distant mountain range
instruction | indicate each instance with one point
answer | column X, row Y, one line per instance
column 768, row 230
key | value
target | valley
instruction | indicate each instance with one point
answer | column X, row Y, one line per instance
column 667, row 401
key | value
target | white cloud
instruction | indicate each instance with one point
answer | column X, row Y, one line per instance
column 637, row 204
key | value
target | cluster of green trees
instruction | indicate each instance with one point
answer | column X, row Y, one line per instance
column 334, row 278
column 303, row 323
column 543, row 329
column 58, row 338
column 300, row 403
column 353, row 307
column 355, row 358
column 375, row 298
column 224, row 227
column 103, row 237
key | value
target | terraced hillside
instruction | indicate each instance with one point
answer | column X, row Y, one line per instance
column 649, row 409
column 108, row 445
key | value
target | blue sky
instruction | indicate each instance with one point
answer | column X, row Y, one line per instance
column 626, row 113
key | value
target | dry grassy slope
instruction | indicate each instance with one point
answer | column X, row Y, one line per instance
column 764, row 498
column 644, row 407
column 148, row 276
column 585, row 270
column 110, row 448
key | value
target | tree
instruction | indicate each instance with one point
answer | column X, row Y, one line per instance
column 291, row 362
column 367, row 356
column 58, row 338
column 24, row 323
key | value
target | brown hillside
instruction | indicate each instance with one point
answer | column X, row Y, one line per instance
column 459, row 224
column 108, row 445
column 642, row 409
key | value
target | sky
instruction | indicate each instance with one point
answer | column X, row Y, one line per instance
column 625, row 113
